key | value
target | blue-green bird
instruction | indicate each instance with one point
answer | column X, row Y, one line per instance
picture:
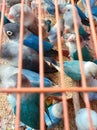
column 30, row 102
column 72, row 69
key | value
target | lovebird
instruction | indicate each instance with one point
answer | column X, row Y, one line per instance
column 12, row 30
column 69, row 23
column 54, row 114
column 30, row 103
column 10, row 3
column 10, row 52
column 87, row 52
column 30, row 20
column 6, row 20
column 91, row 82
column 53, row 31
column 82, row 121
column 72, row 69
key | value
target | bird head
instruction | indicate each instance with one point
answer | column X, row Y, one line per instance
column 15, row 13
column 91, row 70
column 12, row 30
column 67, row 9
column 82, row 121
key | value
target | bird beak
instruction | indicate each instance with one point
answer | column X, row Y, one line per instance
column 10, row 16
column 63, row 10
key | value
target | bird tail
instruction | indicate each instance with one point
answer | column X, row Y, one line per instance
column 52, row 62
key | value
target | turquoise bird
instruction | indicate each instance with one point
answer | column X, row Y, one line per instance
column 6, row 20
column 30, row 102
column 72, row 69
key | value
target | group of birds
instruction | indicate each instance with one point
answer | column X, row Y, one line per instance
column 30, row 103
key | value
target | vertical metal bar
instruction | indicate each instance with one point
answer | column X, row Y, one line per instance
column 19, row 83
column 81, row 66
column 2, row 23
column 66, row 118
column 41, row 68
column 94, row 35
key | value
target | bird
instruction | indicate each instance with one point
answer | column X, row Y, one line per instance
column 82, row 121
column 10, row 3
column 12, row 30
column 6, row 20
column 53, row 31
column 51, row 9
column 69, row 23
column 47, row 24
column 30, row 102
column 72, row 69
column 70, row 41
column 91, row 82
column 31, row 24
column 10, row 52
column 54, row 114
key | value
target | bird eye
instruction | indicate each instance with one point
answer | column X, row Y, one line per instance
column 68, row 10
column 9, row 33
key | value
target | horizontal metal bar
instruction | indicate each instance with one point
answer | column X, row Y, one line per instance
column 47, row 90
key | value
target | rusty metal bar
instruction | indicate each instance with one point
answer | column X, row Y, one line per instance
column 84, row 85
column 19, row 80
column 41, row 68
column 93, row 31
column 65, row 106
column 47, row 90
column 2, row 23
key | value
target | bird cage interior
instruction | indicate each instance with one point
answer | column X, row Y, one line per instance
column 48, row 65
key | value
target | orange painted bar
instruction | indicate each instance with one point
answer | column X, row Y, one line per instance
column 41, row 67
column 93, row 31
column 19, row 84
column 2, row 23
column 65, row 106
column 47, row 90
column 84, row 85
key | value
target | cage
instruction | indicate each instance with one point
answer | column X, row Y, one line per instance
column 62, row 84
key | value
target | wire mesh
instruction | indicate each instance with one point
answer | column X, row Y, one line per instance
column 59, row 88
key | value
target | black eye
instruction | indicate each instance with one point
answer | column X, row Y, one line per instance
column 68, row 10
column 9, row 33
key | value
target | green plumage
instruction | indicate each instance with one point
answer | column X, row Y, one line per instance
column 85, row 54
column 83, row 33
column 30, row 111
